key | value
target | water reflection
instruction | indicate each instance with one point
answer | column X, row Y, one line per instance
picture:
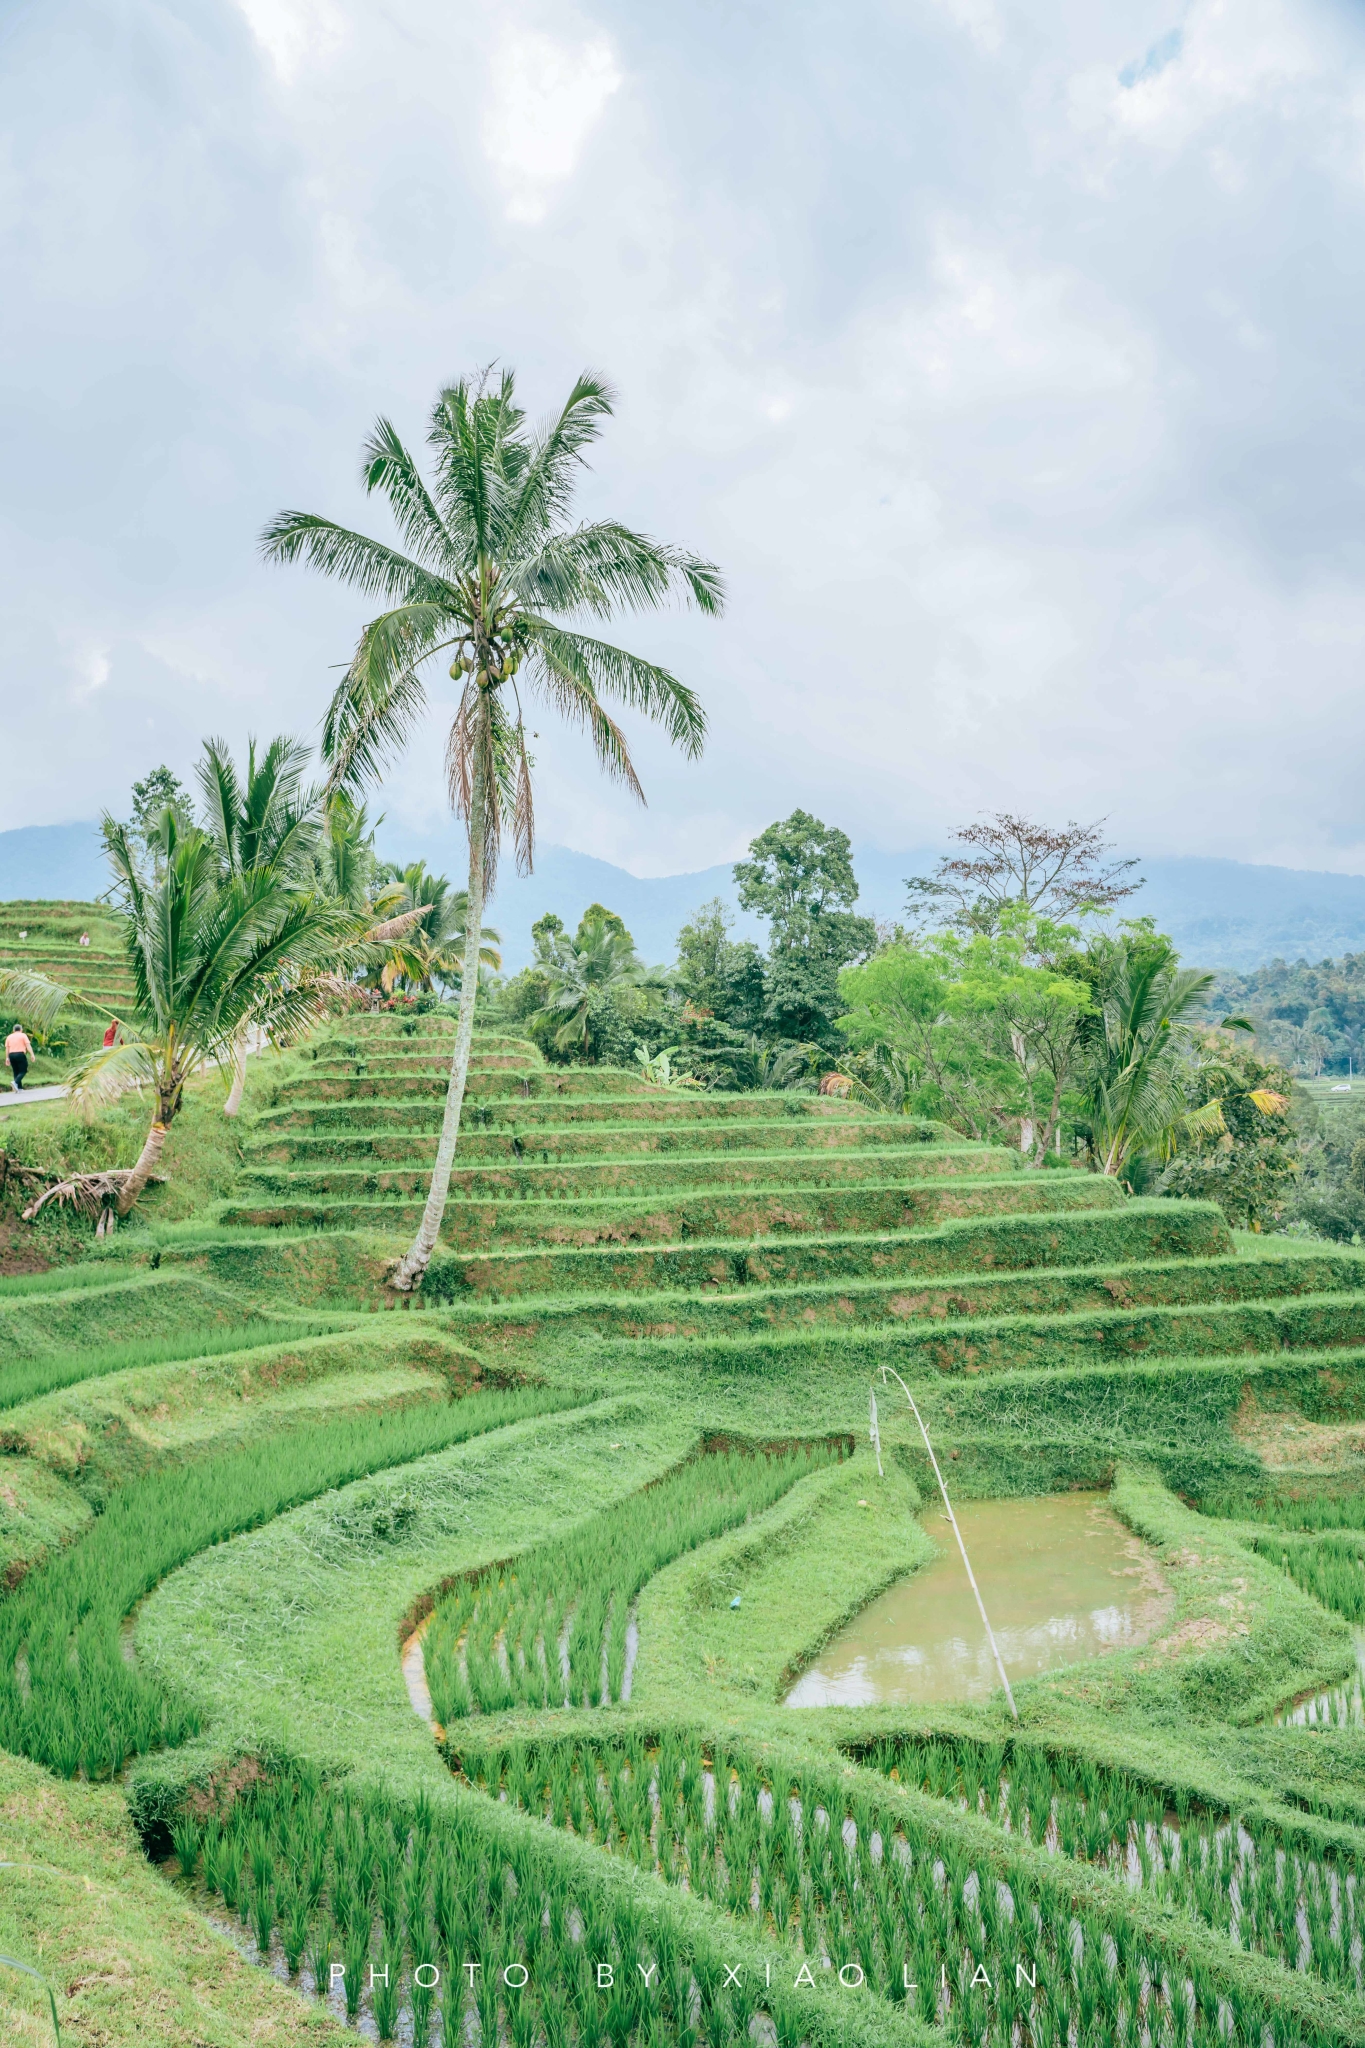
column 1062, row 1580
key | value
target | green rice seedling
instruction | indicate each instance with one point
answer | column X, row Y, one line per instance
column 452, row 2013
column 584, row 1583
column 75, row 1712
column 212, row 1846
column 25, row 1378
column 185, row 1835
column 355, row 1954
column 487, row 2004
column 262, row 1915
column 292, row 1906
column 230, row 1860
column 320, row 1958
column 386, row 1996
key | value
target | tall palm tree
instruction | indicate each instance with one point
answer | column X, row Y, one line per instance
column 210, row 952
column 489, row 571
column 267, row 819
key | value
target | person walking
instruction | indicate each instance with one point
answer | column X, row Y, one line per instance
column 18, row 1051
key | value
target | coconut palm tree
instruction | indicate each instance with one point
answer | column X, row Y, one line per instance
column 210, row 952
column 490, row 572
column 265, row 820
column 1138, row 1044
column 598, row 959
column 431, row 947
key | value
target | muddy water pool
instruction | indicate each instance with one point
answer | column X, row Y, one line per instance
column 1062, row 1579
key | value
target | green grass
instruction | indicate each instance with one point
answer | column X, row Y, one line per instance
column 549, row 1628
column 732, row 1268
column 78, row 1704
column 129, row 1961
column 797, row 1572
column 26, row 1379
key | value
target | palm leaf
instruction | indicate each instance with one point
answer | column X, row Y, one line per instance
column 387, row 466
column 378, row 703
column 109, row 1072
column 605, row 566
column 367, row 565
column 31, row 997
column 597, row 667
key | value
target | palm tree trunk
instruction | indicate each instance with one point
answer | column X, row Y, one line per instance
column 146, row 1165
column 234, row 1101
column 406, row 1277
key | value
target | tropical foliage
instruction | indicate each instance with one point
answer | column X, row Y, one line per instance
column 490, row 572
column 427, row 948
column 212, row 952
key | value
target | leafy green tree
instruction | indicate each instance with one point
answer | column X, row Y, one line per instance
column 720, row 977
column 487, row 572
column 1238, row 1145
column 799, row 876
column 428, row 944
column 345, row 866
column 157, row 790
column 971, row 1029
column 1147, row 1009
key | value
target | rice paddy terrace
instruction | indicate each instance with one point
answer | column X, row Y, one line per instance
column 441, row 1653
column 46, row 938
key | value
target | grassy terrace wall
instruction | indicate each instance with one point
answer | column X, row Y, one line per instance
column 227, row 1427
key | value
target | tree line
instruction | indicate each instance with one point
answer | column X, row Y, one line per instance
column 1009, row 1003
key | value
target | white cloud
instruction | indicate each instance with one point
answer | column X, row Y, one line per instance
column 295, row 34
column 544, row 98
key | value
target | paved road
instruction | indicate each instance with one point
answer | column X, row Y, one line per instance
column 16, row 1097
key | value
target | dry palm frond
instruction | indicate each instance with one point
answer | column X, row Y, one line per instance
column 89, row 1192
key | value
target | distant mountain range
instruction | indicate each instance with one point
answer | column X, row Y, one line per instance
column 1221, row 913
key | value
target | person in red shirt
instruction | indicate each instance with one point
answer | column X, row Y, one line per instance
column 110, row 1032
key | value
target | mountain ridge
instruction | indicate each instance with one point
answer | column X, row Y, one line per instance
column 1221, row 913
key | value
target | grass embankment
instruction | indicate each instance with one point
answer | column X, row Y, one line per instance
column 281, row 1645
column 748, row 1613
column 129, row 1960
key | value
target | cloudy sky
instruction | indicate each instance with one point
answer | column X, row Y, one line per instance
column 1007, row 357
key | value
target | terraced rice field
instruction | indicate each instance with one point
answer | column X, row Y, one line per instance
column 441, row 1653
column 46, row 939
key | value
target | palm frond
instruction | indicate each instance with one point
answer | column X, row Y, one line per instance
column 1208, row 1120
column 604, row 567
column 578, row 704
column 553, row 459
column 1267, row 1101
column 380, row 699
column 367, row 565
column 221, row 794
column 110, row 1071
column 602, row 669
column 32, row 998
column 387, row 466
